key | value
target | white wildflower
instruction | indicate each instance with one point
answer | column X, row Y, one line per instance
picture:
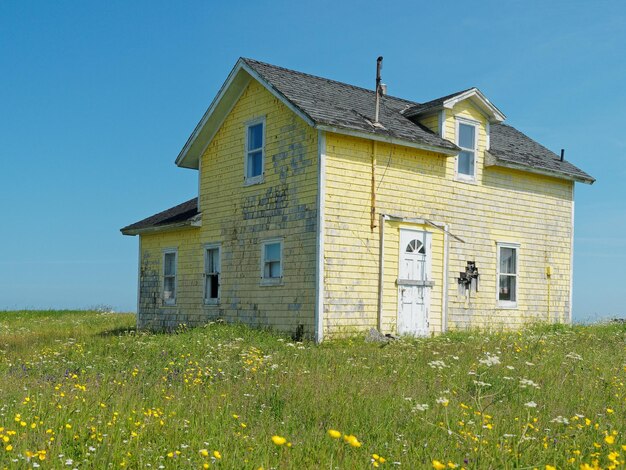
column 443, row 401
column 560, row 420
column 510, row 367
column 420, row 407
column 529, row 363
column 480, row 383
column 437, row 364
column 531, row 404
column 523, row 383
column 69, row 462
column 573, row 355
column 490, row 360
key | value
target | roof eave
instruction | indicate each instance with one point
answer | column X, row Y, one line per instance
column 388, row 139
column 495, row 161
column 491, row 111
column 220, row 107
column 191, row 222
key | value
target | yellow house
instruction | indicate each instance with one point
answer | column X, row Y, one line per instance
column 325, row 209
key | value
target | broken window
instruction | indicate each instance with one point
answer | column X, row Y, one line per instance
column 211, row 274
column 169, row 277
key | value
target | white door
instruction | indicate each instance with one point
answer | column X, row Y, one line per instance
column 414, row 282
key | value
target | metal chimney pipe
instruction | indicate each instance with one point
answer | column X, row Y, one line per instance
column 379, row 67
column 562, row 154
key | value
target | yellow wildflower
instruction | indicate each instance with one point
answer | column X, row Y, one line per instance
column 278, row 440
column 204, row 452
column 352, row 440
column 613, row 456
column 550, row 467
column 217, row 455
column 610, row 410
column 334, row 434
column 452, row 465
column 9, row 448
column 609, row 439
column 437, row 465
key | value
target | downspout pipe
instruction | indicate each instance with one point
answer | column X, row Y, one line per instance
column 381, row 269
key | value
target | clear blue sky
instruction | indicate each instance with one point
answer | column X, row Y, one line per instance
column 97, row 99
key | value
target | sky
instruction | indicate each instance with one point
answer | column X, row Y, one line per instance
column 97, row 99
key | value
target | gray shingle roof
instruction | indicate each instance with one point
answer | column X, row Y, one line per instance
column 179, row 214
column 338, row 104
column 431, row 105
column 511, row 146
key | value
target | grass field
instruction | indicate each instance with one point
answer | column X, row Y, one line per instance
column 85, row 390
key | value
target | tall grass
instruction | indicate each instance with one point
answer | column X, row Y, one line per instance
column 85, row 390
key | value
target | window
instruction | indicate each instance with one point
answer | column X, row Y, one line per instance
column 507, row 274
column 212, row 274
column 255, row 151
column 169, row 277
column 271, row 262
column 466, row 140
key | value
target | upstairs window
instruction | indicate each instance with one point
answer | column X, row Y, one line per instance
column 272, row 262
column 169, row 277
column 466, row 161
column 212, row 274
column 507, row 274
column 255, row 151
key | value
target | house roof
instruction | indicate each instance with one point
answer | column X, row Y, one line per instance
column 513, row 149
column 339, row 107
column 493, row 114
column 336, row 104
column 182, row 215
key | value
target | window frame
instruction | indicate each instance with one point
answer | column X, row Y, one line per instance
column 475, row 124
column 272, row 281
column 172, row 301
column 516, row 247
column 206, row 248
column 257, row 179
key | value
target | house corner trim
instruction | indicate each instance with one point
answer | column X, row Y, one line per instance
column 319, row 246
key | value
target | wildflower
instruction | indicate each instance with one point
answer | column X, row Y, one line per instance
column 490, row 360
column 437, row 465
column 452, row 465
column 531, row 404
column 217, row 455
column 550, row 467
column 334, row 434
column 9, row 448
column 609, row 439
column 420, row 407
column 204, row 452
column 610, row 410
column 278, row 440
column 352, row 440
column 443, row 401
column 613, row 456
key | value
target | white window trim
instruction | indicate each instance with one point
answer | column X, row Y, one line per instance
column 507, row 303
column 272, row 281
column 170, row 302
column 206, row 247
column 476, row 125
column 248, row 181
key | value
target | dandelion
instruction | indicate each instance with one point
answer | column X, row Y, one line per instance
column 204, row 452
column 278, row 440
column 217, row 455
column 334, row 434
column 437, row 465
column 609, row 439
column 352, row 440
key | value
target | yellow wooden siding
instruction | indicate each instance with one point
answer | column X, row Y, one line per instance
column 501, row 205
column 431, row 122
column 152, row 312
column 241, row 217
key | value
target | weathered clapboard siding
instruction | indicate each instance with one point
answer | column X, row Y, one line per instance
column 501, row 205
column 240, row 217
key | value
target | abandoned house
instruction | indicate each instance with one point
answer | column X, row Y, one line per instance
column 329, row 209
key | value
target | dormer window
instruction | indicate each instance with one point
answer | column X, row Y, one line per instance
column 466, row 140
